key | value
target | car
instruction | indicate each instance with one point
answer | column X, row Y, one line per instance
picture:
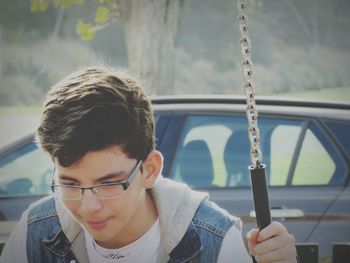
column 204, row 140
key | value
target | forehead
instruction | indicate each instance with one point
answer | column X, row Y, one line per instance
column 96, row 164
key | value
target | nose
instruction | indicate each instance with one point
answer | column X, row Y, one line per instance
column 89, row 202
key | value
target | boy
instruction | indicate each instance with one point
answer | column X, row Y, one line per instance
column 110, row 203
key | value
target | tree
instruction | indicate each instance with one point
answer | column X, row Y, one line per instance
column 149, row 27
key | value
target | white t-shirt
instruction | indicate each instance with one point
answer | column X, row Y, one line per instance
column 232, row 249
column 145, row 249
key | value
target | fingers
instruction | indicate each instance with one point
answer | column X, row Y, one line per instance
column 278, row 248
column 274, row 229
column 281, row 255
column 272, row 244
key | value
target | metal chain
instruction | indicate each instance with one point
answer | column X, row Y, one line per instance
column 249, row 89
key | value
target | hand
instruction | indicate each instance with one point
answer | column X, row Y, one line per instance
column 272, row 244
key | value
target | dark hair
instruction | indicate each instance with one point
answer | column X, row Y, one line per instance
column 93, row 109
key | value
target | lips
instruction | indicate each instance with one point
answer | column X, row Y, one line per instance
column 97, row 224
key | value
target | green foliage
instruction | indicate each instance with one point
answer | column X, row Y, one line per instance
column 42, row 5
column 102, row 15
column 104, row 1
column 85, row 30
column 19, row 24
column 38, row 6
column 67, row 3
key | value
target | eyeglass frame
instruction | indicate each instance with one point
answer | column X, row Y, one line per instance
column 93, row 189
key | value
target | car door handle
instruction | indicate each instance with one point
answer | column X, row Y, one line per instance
column 283, row 213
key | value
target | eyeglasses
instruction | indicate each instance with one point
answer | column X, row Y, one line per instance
column 102, row 191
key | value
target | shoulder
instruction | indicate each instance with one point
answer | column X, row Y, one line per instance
column 42, row 209
column 15, row 247
column 209, row 227
column 214, row 218
column 30, row 227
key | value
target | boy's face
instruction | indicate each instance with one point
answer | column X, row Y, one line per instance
column 118, row 221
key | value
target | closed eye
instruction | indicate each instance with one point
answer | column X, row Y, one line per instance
column 112, row 182
column 69, row 184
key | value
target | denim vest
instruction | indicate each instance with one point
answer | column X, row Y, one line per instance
column 47, row 243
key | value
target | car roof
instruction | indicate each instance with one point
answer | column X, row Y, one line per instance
column 268, row 105
column 262, row 100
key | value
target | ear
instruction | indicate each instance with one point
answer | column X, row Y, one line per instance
column 152, row 168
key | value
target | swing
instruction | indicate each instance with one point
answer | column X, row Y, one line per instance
column 257, row 168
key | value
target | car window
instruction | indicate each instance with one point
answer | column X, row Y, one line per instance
column 315, row 165
column 199, row 158
column 213, row 151
column 341, row 132
column 284, row 139
column 26, row 171
column 319, row 161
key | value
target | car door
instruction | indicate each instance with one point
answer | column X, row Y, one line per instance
column 305, row 170
column 316, row 177
column 335, row 223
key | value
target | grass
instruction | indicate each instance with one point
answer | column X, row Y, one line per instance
column 339, row 94
column 20, row 110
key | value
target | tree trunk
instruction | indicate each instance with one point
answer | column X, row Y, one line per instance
column 150, row 28
column 0, row 55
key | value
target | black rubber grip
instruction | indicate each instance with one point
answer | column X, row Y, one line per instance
column 261, row 196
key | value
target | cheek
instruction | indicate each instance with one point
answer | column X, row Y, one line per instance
column 135, row 192
column 115, row 208
column 129, row 203
column 124, row 205
column 72, row 206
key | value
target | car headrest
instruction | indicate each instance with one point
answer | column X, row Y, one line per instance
column 237, row 158
column 196, row 164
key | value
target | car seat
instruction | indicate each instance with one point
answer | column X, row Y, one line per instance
column 196, row 164
column 237, row 159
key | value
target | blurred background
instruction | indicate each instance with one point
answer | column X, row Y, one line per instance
column 300, row 48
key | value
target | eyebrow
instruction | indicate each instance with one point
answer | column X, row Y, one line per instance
column 119, row 176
